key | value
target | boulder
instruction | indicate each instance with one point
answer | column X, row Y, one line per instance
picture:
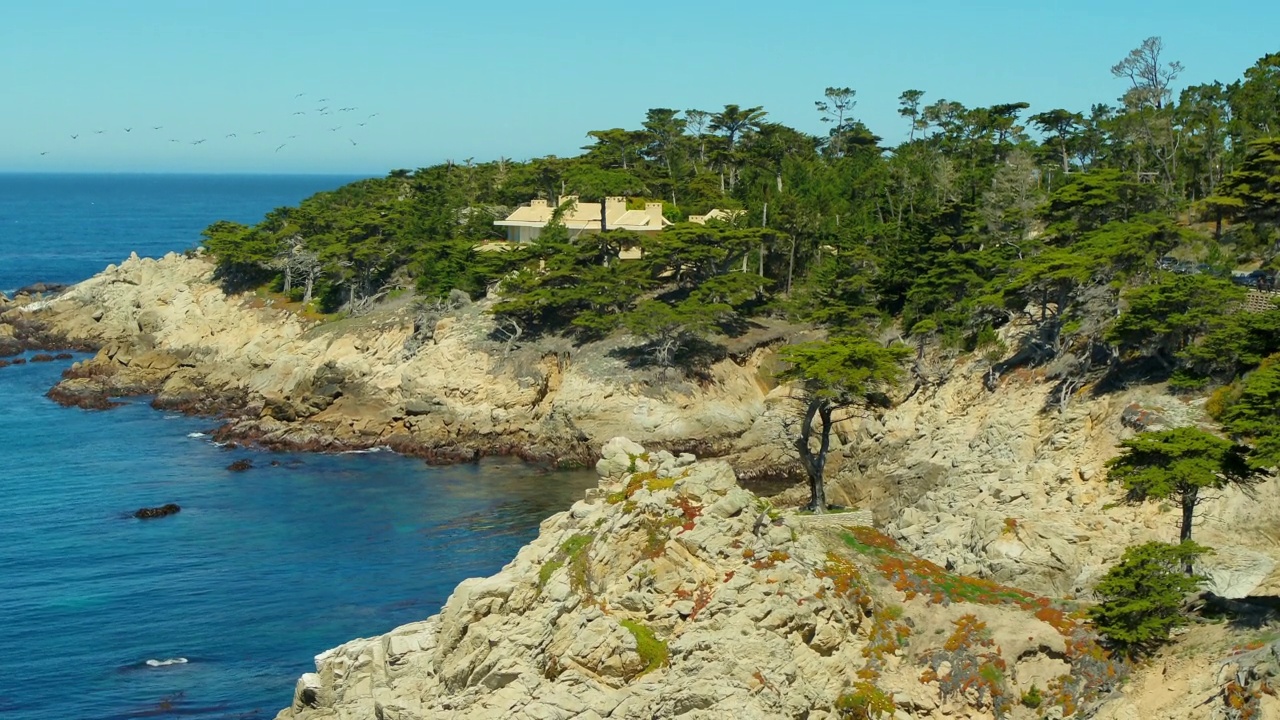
column 157, row 512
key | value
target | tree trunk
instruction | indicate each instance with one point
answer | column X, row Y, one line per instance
column 815, row 464
column 1189, row 499
column 791, row 261
column 288, row 277
column 306, row 294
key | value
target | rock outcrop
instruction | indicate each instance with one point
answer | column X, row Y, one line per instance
column 673, row 592
column 1006, row 485
column 152, row 513
column 447, row 392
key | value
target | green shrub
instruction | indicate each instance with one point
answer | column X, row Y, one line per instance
column 651, row 650
column 1032, row 698
column 1142, row 595
column 865, row 702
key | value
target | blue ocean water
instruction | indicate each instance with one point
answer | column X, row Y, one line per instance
column 64, row 228
column 261, row 570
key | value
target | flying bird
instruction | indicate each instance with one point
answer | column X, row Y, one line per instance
column 323, row 100
column 347, row 109
column 174, row 140
column 326, row 107
column 335, row 129
column 128, row 129
column 353, row 142
column 375, row 115
column 291, row 137
column 231, row 135
column 295, row 97
column 280, row 146
column 73, row 137
column 197, row 142
column 98, row 132
column 157, row 127
column 259, row 132
column 300, row 112
column 46, row 152
column 361, row 124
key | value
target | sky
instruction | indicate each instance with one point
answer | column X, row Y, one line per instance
column 434, row 81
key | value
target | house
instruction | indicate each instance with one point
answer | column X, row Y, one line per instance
column 727, row 216
column 526, row 223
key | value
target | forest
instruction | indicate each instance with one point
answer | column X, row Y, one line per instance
column 1121, row 240
column 1112, row 231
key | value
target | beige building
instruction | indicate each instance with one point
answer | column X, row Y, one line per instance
column 717, row 214
column 526, row 223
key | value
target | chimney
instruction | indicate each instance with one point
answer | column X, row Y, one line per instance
column 614, row 207
column 654, row 211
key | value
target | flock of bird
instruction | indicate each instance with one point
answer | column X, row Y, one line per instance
column 322, row 110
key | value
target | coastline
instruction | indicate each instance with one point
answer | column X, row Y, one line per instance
column 444, row 392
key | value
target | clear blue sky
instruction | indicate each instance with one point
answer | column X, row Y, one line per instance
column 484, row 78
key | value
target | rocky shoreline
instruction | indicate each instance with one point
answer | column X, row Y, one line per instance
column 444, row 392
column 1000, row 486
column 670, row 591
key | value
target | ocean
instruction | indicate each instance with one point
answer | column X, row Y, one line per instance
column 213, row 612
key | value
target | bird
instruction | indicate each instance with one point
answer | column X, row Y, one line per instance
column 197, row 142
column 280, row 146
column 291, row 137
column 128, row 129
column 361, row 124
column 73, row 137
column 353, row 142
column 347, row 109
column 231, row 135
column 326, row 107
column 174, row 140
column 295, row 97
column 46, row 152
column 323, row 100
column 98, row 132
column 335, row 129
column 324, row 113
column 375, row 115
column 259, row 132
column 157, row 127
column 300, row 112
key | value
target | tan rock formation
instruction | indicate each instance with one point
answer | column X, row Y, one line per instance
column 165, row 327
column 674, row 593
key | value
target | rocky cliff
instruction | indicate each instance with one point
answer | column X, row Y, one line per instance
column 443, row 390
column 1005, row 483
column 673, row 592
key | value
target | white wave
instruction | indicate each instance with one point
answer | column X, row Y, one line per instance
column 172, row 417
column 166, row 661
column 196, row 435
column 365, row 451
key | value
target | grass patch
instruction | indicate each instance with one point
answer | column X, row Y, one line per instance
column 573, row 553
column 657, row 484
column 634, row 484
column 651, row 650
column 548, row 569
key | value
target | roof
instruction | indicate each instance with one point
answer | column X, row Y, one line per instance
column 586, row 215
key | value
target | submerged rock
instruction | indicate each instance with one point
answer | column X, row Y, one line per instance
column 241, row 465
column 157, row 512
